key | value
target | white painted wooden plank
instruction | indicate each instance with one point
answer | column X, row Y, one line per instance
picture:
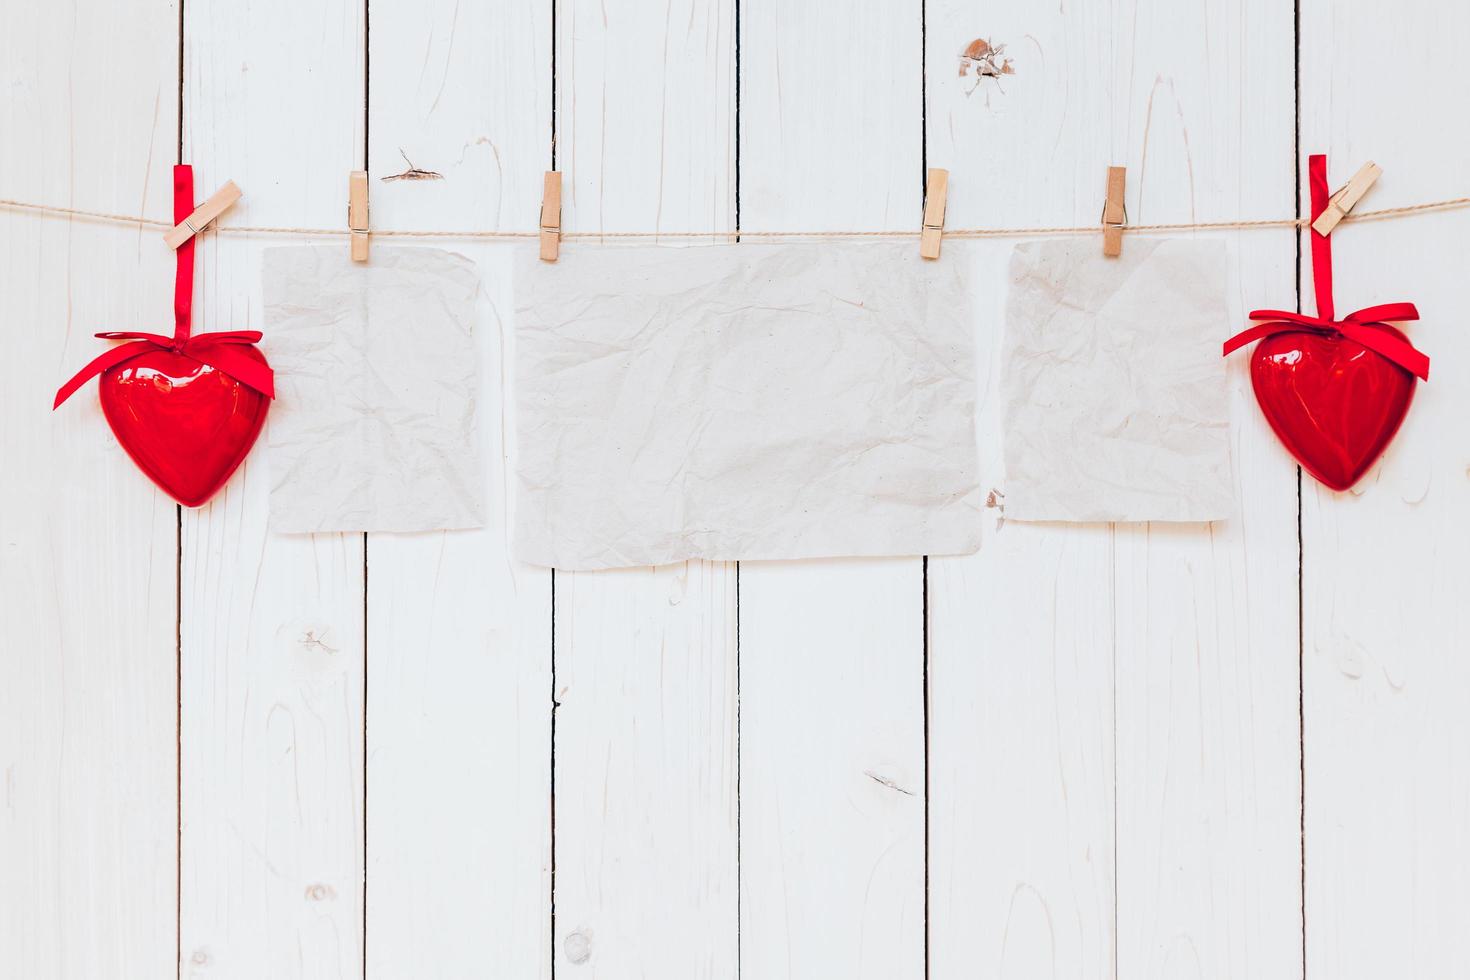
column 87, row 546
column 1208, row 765
column 645, row 771
column 831, row 652
column 1205, row 672
column 271, row 625
column 1021, row 635
column 831, row 769
column 1021, row 759
column 1386, row 568
column 459, row 635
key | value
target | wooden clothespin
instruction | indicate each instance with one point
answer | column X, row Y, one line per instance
column 1340, row 203
column 203, row 215
column 1114, row 213
column 934, row 201
column 551, row 216
column 357, row 213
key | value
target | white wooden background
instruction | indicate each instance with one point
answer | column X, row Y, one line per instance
column 1108, row 751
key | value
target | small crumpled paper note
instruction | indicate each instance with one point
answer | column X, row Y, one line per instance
column 743, row 402
column 377, row 368
column 1113, row 386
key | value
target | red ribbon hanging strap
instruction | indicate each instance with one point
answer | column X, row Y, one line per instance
column 220, row 350
column 1368, row 326
column 184, row 254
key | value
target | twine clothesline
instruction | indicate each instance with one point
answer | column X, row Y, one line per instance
column 127, row 219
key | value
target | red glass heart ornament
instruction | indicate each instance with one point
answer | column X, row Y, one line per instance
column 1334, row 404
column 187, row 408
column 186, row 424
column 1335, row 391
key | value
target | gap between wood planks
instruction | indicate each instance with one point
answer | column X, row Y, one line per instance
column 1301, row 614
column 367, row 118
column 555, row 704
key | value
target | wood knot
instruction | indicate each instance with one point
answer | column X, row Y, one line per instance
column 578, row 947
column 320, row 893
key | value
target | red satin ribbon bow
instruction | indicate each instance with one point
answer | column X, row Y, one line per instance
column 220, row 350
column 1368, row 326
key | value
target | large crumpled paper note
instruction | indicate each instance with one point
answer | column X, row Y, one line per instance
column 1113, row 384
column 377, row 367
column 743, row 402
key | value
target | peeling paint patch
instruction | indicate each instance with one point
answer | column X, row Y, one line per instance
column 996, row 500
column 311, row 641
column 984, row 59
column 413, row 173
column 882, row 780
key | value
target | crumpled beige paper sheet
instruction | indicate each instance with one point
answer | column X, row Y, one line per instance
column 743, row 402
column 1113, row 386
column 374, row 426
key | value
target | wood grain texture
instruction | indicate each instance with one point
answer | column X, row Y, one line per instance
column 831, row 652
column 271, row 625
column 87, row 545
column 1021, row 635
column 1162, row 671
column 831, row 770
column 1386, row 568
column 1206, row 698
column 645, row 773
column 645, row 658
column 1021, row 871
column 459, row 634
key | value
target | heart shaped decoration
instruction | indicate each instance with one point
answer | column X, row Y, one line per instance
column 186, row 424
column 187, row 408
column 1334, row 390
column 1334, row 404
